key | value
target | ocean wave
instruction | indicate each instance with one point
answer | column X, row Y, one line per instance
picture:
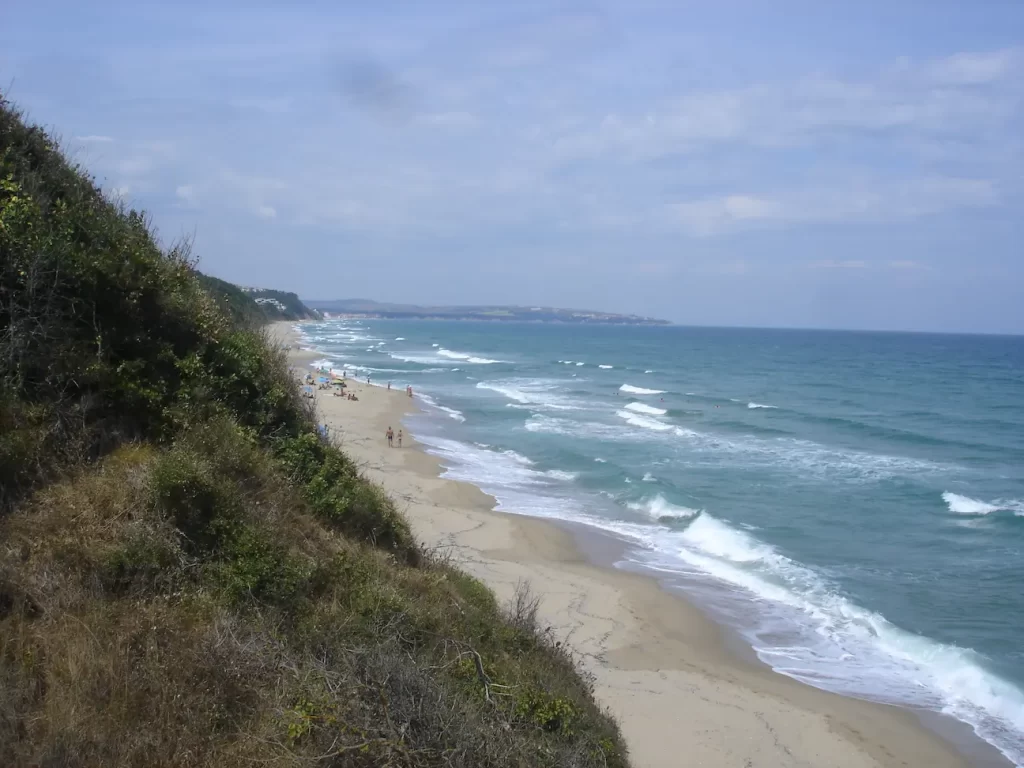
column 418, row 359
column 531, row 392
column 648, row 371
column 842, row 646
column 965, row 505
column 399, row 338
column 579, row 364
column 559, row 474
column 660, row 510
column 798, row 622
column 640, row 390
column 518, row 458
column 606, row 367
column 453, row 355
column 435, row 345
column 759, row 405
column 599, row 460
column 452, row 413
column 644, row 408
column 643, row 422
column 802, row 457
column 649, row 478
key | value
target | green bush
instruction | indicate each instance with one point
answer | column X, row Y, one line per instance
column 190, row 576
column 336, row 492
column 257, row 569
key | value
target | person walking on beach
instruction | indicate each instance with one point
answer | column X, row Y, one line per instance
column 389, row 386
column 390, row 436
column 399, row 438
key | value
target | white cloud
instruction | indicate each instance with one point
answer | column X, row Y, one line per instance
column 185, row 193
column 976, row 68
column 930, row 98
column 832, row 264
column 94, row 139
column 266, row 212
column 876, row 199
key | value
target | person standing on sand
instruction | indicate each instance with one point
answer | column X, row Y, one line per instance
column 390, row 436
column 389, row 386
column 399, row 438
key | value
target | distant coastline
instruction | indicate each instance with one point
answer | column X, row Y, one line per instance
column 368, row 309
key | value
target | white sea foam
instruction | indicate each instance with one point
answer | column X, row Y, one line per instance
column 599, row 460
column 648, row 371
column 645, row 422
column 518, row 458
column 640, row 390
column 644, row 408
column 399, row 338
column 775, row 454
column 759, row 405
column 965, row 505
column 534, row 393
column 452, row 413
column 559, row 474
column 579, row 363
column 658, row 509
column 420, row 359
column 649, row 478
column 453, row 355
column 840, row 645
column 606, row 367
column 435, row 345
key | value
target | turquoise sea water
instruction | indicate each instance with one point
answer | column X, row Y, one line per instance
column 851, row 503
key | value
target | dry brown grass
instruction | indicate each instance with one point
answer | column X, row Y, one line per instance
column 122, row 644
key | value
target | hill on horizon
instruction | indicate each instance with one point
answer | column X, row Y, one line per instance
column 500, row 312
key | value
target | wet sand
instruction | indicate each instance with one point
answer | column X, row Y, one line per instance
column 681, row 694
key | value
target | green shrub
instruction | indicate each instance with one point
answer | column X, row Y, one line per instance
column 203, row 507
column 144, row 564
column 189, row 575
column 255, row 568
column 339, row 496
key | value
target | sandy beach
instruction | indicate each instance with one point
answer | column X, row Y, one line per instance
column 664, row 670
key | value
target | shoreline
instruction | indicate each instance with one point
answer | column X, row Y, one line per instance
column 673, row 678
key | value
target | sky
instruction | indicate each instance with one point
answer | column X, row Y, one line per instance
column 797, row 164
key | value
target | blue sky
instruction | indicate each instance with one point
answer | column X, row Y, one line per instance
column 824, row 164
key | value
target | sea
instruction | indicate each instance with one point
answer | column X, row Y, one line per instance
column 850, row 504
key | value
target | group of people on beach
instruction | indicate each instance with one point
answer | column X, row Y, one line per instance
column 390, row 435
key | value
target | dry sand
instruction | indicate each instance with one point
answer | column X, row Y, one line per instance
column 661, row 667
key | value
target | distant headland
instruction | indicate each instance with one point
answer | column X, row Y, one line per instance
column 367, row 308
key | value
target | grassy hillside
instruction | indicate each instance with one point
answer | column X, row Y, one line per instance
column 189, row 576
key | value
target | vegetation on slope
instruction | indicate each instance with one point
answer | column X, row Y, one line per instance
column 188, row 574
column 255, row 305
